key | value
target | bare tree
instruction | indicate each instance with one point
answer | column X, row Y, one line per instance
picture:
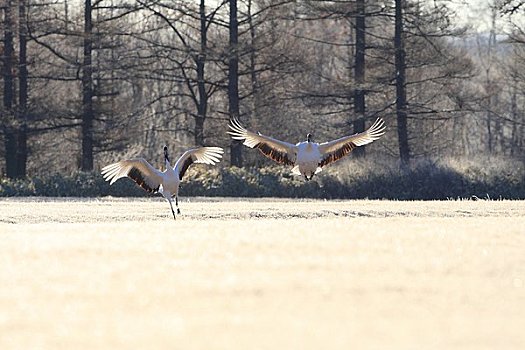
column 137, row 74
column 508, row 54
column 88, row 113
column 22, row 110
column 233, row 80
column 401, row 97
column 14, row 70
column 510, row 7
column 9, row 102
column 359, row 69
column 192, row 57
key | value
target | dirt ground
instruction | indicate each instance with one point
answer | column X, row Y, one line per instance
column 261, row 274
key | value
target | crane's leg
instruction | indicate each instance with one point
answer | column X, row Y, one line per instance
column 172, row 211
column 177, row 204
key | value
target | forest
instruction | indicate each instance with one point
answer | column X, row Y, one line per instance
column 88, row 82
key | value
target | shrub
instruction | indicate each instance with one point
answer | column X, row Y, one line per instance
column 453, row 178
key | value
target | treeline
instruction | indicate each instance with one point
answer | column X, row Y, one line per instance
column 89, row 81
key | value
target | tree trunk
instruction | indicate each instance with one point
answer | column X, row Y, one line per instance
column 199, row 130
column 490, row 85
column 401, row 99
column 359, row 72
column 87, row 92
column 8, row 64
column 203, row 98
column 233, row 82
column 10, row 145
column 10, row 135
column 21, row 155
column 254, row 76
column 514, row 116
column 253, row 62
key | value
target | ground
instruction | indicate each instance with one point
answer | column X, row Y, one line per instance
column 264, row 274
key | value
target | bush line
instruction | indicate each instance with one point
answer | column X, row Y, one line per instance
column 353, row 180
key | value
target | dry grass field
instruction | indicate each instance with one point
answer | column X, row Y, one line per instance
column 261, row 274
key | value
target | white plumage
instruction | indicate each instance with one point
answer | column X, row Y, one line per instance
column 307, row 157
column 164, row 182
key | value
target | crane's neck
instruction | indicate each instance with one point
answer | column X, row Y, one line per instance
column 166, row 158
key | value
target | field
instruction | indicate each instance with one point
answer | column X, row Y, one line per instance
column 261, row 274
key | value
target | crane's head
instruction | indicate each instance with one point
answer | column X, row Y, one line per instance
column 166, row 157
column 309, row 137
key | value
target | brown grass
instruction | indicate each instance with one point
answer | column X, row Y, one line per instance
column 265, row 274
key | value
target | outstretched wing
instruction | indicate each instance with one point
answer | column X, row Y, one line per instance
column 206, row 155
column 137, row 169
column 279, row 151
column 337, row 149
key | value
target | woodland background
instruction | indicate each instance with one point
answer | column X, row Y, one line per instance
column 85, row 83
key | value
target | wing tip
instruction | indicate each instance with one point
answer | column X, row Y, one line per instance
column 235, row 124
column 377, row 129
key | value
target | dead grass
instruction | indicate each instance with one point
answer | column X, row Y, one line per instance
column 265, row 274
